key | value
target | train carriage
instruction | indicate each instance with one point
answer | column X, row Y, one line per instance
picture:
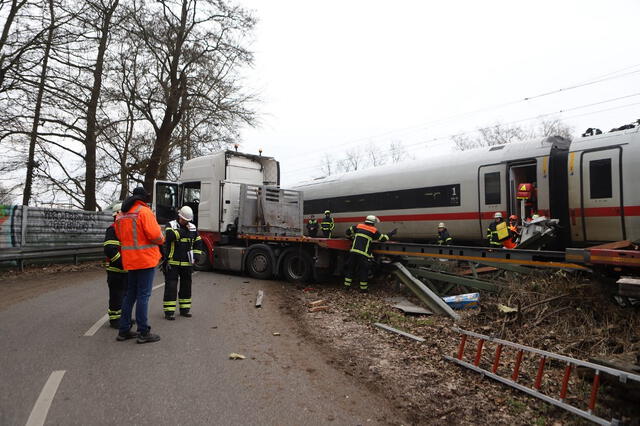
column 589, row 184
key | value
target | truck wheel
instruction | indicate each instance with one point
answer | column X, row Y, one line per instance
column 297, row 267
column 202, row 263
column 259, row 264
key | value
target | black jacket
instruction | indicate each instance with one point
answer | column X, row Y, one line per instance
column 363, row 235
column 111, row 244
column 444, row 238
column 179, row 240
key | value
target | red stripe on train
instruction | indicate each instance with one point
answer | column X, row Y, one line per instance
column 589, row 212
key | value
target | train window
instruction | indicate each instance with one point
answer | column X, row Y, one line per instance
column 600, row 178
column 492, row 188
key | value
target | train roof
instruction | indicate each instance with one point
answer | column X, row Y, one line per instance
column 450, row 164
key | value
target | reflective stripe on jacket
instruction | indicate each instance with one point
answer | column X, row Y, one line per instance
column 363, row 235
column 327, row 224
column 139, row 235
column 113, row 261
column 179, row 241
column 444, row 237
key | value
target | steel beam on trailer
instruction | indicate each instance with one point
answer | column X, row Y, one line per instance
column 456, row 279
column 510, row 267
column 538, row 258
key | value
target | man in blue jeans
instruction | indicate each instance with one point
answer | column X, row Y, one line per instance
column 140, row 237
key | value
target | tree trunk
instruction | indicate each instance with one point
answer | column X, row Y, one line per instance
column 26, row 196
column 90, row 143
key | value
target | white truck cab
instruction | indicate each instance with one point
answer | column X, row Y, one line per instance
column 210, row 185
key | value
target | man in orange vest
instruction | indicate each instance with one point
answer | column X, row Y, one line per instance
column 140, row 237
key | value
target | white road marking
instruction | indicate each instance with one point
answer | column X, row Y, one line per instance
column 39, row 413
column 95, row 327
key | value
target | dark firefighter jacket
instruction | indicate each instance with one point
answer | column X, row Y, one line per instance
column 327, row 224
column 113, row 262
column 179, row 240
column 497, row 232
column 363, row 235
column 444, row 238
column 312, row 225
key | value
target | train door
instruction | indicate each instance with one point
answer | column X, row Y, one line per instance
column 519, row 174
column 601, row 195
column 492, row 194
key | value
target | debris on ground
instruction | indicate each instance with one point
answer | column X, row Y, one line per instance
column 403, row 304
column 463, row 301
column 234, row 355
column 259, row 299
column 318, row 308
column 506, row 309
column 317, row 302
column 400, row 332
column 586, row 325
column 275, row 333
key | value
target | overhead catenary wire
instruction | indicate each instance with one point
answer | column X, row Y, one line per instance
column 447, row 138
column 594, row 80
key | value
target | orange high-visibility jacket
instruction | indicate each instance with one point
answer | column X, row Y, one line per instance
column 140, row 237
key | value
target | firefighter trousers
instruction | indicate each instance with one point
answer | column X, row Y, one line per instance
column 117, row 282
column 358, row 267
column 171, row 277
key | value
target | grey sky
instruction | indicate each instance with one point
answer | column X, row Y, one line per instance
column 344, row 74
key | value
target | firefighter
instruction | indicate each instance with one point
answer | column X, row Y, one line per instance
column 443, row 235
column 182, row 244
column 360, row 257
column 140, row 238
column 116, row 274
column 514, row 229
column 497, row 231
column 327, row 224
column 312, row 226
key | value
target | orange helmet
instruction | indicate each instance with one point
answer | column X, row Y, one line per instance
column 513, row 217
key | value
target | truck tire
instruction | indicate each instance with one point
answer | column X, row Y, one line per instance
column 259, row 264
column 202, row 263
column 297, row 267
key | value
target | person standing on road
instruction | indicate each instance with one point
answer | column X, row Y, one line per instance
column 312, row 226
column 360, row 256
column 327, row 224
column 182, row 244
column 140, row 237
column 116, row 274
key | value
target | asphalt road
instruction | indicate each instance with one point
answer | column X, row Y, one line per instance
column 186, row 378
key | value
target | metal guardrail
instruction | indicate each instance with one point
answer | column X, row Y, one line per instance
column 20, row 255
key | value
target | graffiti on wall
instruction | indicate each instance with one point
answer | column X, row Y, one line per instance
column 50, row 227
column 69, row 220
column 8, row 236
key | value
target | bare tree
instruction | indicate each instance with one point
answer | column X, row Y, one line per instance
column 353, row 160
column 33, row 138
column 192, row 51
column 501, row 134
column 397, row 152
column 375, row 158
column 554, row 127
column 326, row 165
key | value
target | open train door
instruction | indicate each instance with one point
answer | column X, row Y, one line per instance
column 601, row 195
column 492, row 190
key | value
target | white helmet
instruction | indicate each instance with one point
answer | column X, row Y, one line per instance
column 116, row 209
column 372, row 219
column 186, row 213
column 441, row 225
column 497, row 215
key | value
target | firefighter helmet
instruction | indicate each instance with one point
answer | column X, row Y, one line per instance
column 497, row 215
column 186, row 213
column 441, row 225
column 371, row 219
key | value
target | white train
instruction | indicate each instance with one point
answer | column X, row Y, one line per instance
column 592, row 185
